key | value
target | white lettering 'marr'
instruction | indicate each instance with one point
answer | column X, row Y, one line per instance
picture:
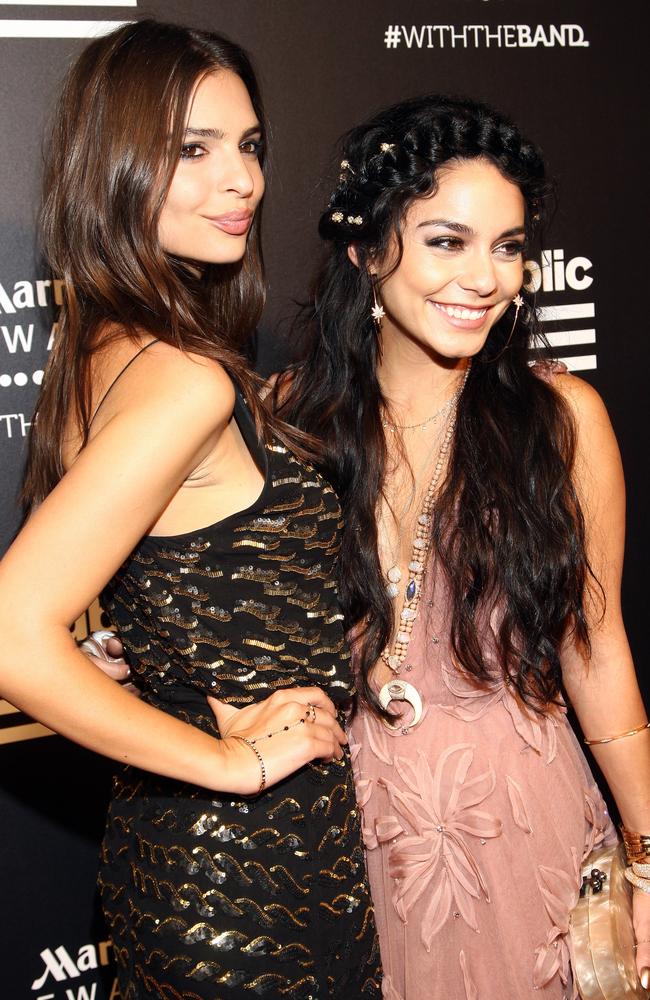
column 60, row 965
column 30, row 295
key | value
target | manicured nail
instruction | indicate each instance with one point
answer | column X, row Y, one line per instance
column 645, row 978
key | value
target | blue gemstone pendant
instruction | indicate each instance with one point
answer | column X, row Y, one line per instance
column 411, row 590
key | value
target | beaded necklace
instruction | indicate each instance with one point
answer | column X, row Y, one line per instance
column 420, row 549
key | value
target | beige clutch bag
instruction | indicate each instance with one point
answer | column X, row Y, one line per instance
column 601, row 930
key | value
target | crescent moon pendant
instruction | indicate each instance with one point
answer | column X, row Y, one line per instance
column 398, row 690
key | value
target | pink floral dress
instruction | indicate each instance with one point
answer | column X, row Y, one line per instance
column 475, row 824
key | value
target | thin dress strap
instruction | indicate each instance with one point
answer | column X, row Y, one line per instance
column 119, row 376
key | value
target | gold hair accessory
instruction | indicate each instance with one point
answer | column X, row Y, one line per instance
column 355, row 220
column 345, row 169
column 387, row 147
column 337, row 216
column 619, row 736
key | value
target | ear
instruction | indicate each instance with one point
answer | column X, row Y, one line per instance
column 352, row 254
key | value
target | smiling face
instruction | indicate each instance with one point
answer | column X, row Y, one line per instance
column 218, row 182
column 462, row 263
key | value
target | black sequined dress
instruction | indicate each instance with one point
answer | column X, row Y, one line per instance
column 207, row 896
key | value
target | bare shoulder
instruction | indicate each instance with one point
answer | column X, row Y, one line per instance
column 180, row 373
column 598, row 470
column 586, row 404
column 171, row 382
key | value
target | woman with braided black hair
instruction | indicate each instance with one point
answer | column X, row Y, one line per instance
column 481, row 560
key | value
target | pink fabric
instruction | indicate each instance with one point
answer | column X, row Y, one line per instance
column 475, row 825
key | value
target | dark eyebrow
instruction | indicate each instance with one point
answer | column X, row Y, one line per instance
column 517, row 231
column 458, row 227
column 216, row 133
column 205, row 133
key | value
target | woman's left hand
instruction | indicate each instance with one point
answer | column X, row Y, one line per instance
column 641, row 914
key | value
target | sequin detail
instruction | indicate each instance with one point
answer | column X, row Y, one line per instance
column 210, row 896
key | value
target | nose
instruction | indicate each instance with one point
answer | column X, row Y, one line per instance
column 479, row 275
column 235, row 174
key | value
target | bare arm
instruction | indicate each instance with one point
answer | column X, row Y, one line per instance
column 604, row 691
column 76, row 541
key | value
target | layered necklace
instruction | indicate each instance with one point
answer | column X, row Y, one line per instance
column 397, row 689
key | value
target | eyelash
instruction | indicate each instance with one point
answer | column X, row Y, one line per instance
column 512, row 249
column 185, row 151
column 255, row 150
column 257, row 145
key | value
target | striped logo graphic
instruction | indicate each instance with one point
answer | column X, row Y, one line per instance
column 568, row 327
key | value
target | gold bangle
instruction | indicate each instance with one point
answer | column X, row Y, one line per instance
column 619, row 736
column 637, row 846
column 260, row 760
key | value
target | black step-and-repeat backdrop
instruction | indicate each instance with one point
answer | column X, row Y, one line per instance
column 571, row 71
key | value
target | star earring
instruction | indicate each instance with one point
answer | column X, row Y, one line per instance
column 377, row 312
column 518, row 303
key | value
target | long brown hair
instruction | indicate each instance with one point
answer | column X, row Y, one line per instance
column 111, row 158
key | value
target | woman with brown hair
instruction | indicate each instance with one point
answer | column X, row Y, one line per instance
column 232, row 859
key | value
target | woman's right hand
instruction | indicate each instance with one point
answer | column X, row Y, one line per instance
column 304, row 726
column 105, row 650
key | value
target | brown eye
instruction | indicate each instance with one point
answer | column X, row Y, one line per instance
column 511, row 250
column 192, row 151
column 252, row 147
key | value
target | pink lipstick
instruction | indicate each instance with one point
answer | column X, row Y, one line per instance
column 233, row 223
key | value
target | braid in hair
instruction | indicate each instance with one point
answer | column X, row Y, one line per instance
column 508, row 527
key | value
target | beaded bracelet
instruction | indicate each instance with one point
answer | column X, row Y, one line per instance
column 260, row 759
column 635, row 878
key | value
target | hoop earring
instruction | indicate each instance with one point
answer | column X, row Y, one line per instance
column 518, row 302
column 377, row 312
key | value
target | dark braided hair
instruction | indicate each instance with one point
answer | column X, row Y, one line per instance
column 508, row 530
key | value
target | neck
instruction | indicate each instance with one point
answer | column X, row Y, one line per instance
column 415, row 380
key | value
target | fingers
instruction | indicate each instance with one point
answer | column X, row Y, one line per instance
column 109, row 642
column 114, row 648
column 338, row 732
column 117, row 670
column 641, row 908
column 306, row 696
column 325, row 745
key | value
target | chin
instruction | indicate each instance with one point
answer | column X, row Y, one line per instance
column 457, row 347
